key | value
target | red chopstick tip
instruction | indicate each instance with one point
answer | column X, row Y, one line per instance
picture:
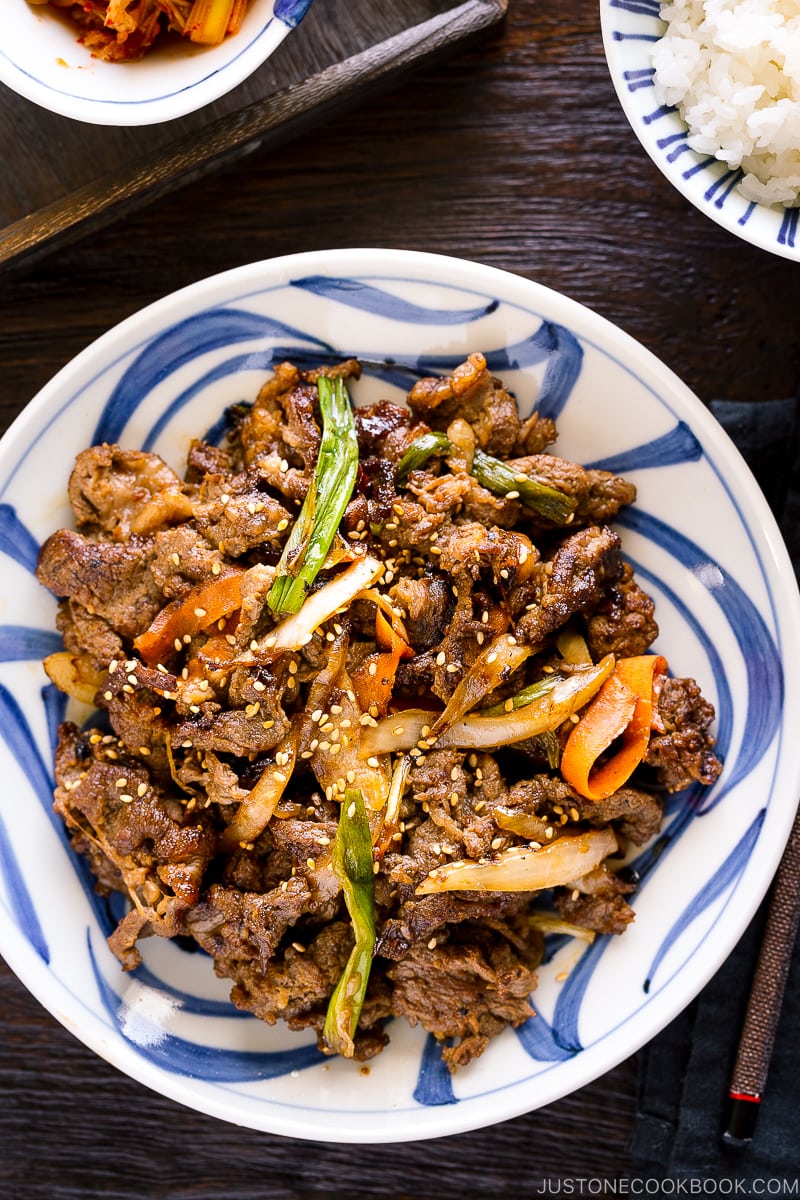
column 749, row 1097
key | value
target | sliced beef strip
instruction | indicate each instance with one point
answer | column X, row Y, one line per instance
column 535, row 435
column 602, row 913
column 571, row 582
column 425, row 602
column 109, row 579
column 296, row 985
column 232, row 731
column 158, row 848
column 470, row 548
column 383, row 430
column 599, row 494
column 635, row 813
column 447, row 788
column 684, row 753
column 421, row 917
column 246, row 928
column 120, row 493
column 475, row 396
column 206, row 459
column 87, row 634
column 623, row 621
column 235, row 515
column 469, row 986
column 182, row 557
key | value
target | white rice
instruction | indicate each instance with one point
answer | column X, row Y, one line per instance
column 732, row 67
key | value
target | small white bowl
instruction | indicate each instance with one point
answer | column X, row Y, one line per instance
column 42, row 59
column 631, row 29
column 701, row 538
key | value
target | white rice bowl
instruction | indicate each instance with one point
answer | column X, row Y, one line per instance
column 732, row 67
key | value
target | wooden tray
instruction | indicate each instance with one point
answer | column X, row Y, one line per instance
column 60, row 178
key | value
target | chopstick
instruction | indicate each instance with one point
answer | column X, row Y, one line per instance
column 766, row 996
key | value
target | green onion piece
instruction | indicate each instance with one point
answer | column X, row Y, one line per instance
column 501, row 479
column 352, row 862
column 534, row 691
column 325, row 502
column 420, row 450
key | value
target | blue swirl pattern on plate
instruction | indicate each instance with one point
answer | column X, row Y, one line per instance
column 216, row 345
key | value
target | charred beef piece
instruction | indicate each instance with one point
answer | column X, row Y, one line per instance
column 597, row 902
column 109, row 579
column 635, row 813
column 87, row 634
column 622, row 623
column 296, row 985
column 425, row 602
column 571, row 582
column 384, row 430
column 237, row 515
column 468, row 985
column 684, row 753
column 121, row 493
column 474, row 395
column 599, row 494
column 152, row 843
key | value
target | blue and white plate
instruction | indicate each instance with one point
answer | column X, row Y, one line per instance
column 42, row 59
column 631, row 29
column 701, row 538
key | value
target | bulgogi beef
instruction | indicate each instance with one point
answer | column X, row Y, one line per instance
column 402, row 763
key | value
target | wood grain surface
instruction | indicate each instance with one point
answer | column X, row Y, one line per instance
column 513, row 152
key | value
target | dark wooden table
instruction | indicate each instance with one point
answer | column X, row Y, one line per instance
column 513, row 152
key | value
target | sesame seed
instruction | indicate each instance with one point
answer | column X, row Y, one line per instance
column 509, row 706
column 298, row 947
column 432, row 944
column 497, row 843
column 441, row 658
column 176, row 558
column 372, row 761
column 514, row 495
column 453, row 799
column 282, row 524
column 373, row 668
column 503, row 573
column 398, row 729
column 216, row 567
column 126, row 799
column 284, row 465
column 548, row 833
column 451, row 668
column 178, row 644
column 259, row 686
column 351, row 810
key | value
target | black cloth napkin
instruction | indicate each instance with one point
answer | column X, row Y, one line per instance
column 685, row 1072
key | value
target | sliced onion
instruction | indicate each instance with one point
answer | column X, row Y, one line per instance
column 73, row 674
column 549, row 923
column 255, row 810
column 493, row 666
column 520, row 869
column 404, row 730
column 297, row 630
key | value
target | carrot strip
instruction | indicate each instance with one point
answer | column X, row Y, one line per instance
column 374, row 680
column 201, row 608
column 622, row 712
